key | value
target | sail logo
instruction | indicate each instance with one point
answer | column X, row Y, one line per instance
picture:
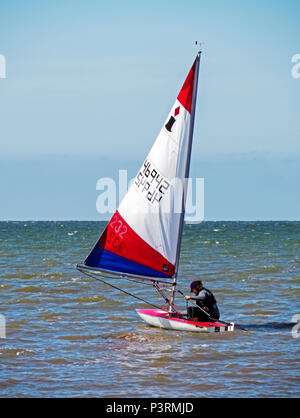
column 165, row 268
column 2, row 66
column 172, row 120
column 296, row 67
column 2, row 326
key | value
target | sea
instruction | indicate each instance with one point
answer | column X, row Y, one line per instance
column 64, row 334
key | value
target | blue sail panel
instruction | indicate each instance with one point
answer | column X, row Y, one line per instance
column 106, row 260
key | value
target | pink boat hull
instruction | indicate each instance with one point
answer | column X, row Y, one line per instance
column 161, row 319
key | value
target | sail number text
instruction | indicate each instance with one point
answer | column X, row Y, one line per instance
column 150, row 183
column 115, row 235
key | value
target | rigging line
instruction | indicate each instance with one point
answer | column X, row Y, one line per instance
column 161, row 292
column 179, row 291
column 124, row 291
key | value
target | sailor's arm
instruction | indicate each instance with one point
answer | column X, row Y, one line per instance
column 201, row 297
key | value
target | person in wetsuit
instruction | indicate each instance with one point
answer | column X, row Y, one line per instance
column 207, row 305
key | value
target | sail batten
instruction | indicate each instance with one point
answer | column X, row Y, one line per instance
column 143, row 237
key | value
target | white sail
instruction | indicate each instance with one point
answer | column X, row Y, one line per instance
column 143, row 236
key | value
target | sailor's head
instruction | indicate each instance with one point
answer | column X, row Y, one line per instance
column 196, row 287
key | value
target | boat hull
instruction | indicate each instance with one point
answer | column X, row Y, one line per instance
column 161, row 319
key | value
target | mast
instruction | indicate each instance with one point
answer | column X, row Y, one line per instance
column 187, row 170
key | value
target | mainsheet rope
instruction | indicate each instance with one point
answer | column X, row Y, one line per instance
column 122, row 290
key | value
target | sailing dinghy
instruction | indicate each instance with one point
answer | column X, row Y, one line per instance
column 142, row 240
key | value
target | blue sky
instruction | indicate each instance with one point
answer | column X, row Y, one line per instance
column 92, row 79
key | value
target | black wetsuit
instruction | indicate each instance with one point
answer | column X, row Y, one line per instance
column 207, row 302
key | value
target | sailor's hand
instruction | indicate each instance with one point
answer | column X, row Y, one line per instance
column 187, row 297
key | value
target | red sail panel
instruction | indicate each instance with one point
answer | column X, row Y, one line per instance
column 186, row 93
column 120, row 239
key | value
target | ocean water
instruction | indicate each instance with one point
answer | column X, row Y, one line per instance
column 69, row 335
